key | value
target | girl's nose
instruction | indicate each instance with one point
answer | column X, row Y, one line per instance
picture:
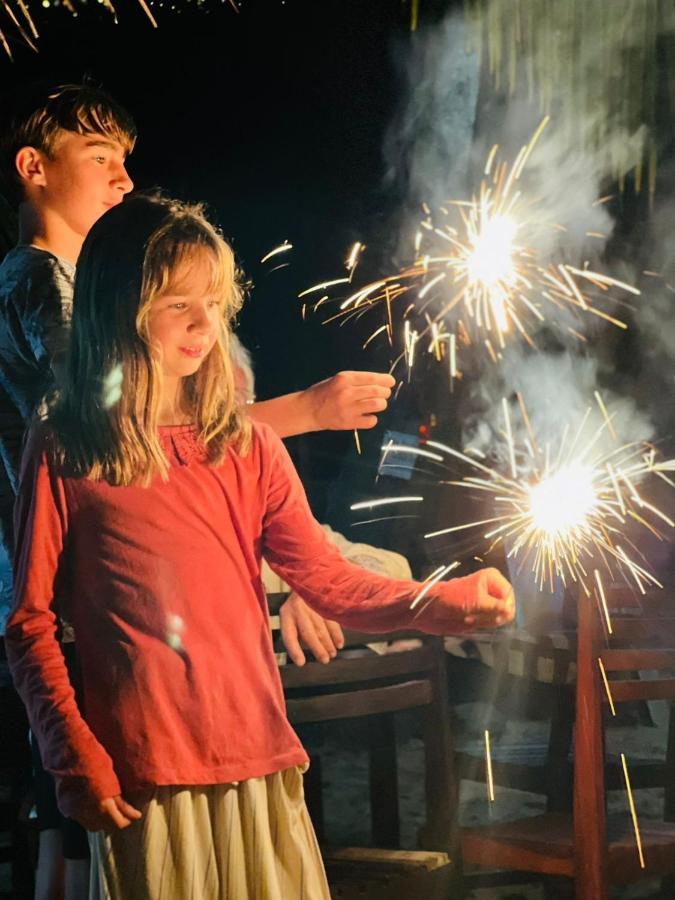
column 200, row 321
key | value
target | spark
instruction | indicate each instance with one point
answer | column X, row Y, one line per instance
column 353, row 257
column 563, row 514
column 603, row 601
column 282, row 248
column 633, row 813
column 383, row 501
column 606, row 683
column 323, row 286
column 415, row 451
column 433, row 580
column 488, row 768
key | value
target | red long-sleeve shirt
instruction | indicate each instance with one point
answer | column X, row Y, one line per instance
column 162, row 584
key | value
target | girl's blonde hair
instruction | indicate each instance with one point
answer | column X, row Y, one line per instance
column 105, row 413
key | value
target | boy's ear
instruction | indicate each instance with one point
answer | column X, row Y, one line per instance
column 29, row 164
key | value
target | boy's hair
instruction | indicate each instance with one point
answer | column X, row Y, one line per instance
column 105, row 414
column 37, row 115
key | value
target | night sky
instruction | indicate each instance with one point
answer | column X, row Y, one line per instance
column 276, row 118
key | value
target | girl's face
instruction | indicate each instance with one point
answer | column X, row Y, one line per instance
column 184, row 321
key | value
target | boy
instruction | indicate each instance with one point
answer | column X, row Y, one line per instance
column 62, row 160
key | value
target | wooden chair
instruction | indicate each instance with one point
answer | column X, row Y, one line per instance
column 544, row 768
column 360, row 684
column 581, row 846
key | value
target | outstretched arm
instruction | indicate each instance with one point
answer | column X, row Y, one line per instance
column 296, row 547
column 347, row 400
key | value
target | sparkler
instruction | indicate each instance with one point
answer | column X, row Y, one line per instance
column 561, row 513
column 480, row 275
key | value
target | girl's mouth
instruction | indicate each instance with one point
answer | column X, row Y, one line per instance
column 192, row 352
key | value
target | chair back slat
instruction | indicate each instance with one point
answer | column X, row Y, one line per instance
column 649, row 689
column 355, row 704
column 631, row 660
column 370, row 666
column 656, row 631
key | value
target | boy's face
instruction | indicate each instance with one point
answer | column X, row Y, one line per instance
column 85, row 177
column 184, row 321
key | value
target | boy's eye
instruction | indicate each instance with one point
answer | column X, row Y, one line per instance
column 100, row 159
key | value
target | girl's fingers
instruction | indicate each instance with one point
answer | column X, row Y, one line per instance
column 336, row 634
column 318, row 638
column 289, row 633
column 127, row 809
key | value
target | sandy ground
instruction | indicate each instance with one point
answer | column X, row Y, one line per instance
column 344, row 769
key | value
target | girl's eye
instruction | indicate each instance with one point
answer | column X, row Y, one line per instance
column 178, row 305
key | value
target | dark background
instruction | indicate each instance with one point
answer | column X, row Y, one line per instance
column 277, row 117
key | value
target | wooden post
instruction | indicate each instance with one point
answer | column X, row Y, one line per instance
column 590, row 831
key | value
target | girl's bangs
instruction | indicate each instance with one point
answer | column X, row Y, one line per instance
column 172, row 254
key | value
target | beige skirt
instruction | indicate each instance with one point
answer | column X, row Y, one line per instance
column 251, row 840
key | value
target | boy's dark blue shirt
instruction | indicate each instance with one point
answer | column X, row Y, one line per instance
column 36, row 297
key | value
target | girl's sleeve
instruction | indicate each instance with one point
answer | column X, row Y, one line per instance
column 82, row 768
column 296, row 547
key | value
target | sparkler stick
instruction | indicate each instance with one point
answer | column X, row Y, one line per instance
column 357, row 441
column 631, row 802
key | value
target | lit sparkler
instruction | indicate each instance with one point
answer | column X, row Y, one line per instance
column 478, row 274
column 564, row 513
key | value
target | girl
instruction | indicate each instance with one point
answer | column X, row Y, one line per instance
column 145, row 504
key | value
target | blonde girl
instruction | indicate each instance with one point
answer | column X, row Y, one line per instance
column 146, row 502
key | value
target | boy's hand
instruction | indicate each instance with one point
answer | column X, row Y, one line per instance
column 348, row 400
column 109, row 814
column 299, row 622
column 484, row 599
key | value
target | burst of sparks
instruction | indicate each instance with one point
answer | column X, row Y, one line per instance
column 563, row 514
column 480, row 272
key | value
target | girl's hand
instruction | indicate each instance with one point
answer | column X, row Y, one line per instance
column 109, row 814
column 484, row 599
column 299, row 622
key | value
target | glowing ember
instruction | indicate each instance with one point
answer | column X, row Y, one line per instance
column 563, row 502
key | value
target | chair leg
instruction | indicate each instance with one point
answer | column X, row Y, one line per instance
column 383, row 777
column 558, row 888
column 314, row 796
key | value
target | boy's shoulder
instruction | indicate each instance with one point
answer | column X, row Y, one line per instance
column 28, row 274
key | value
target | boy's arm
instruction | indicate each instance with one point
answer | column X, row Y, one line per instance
column 347, row 400
column 296, row 547
column 81, row 766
